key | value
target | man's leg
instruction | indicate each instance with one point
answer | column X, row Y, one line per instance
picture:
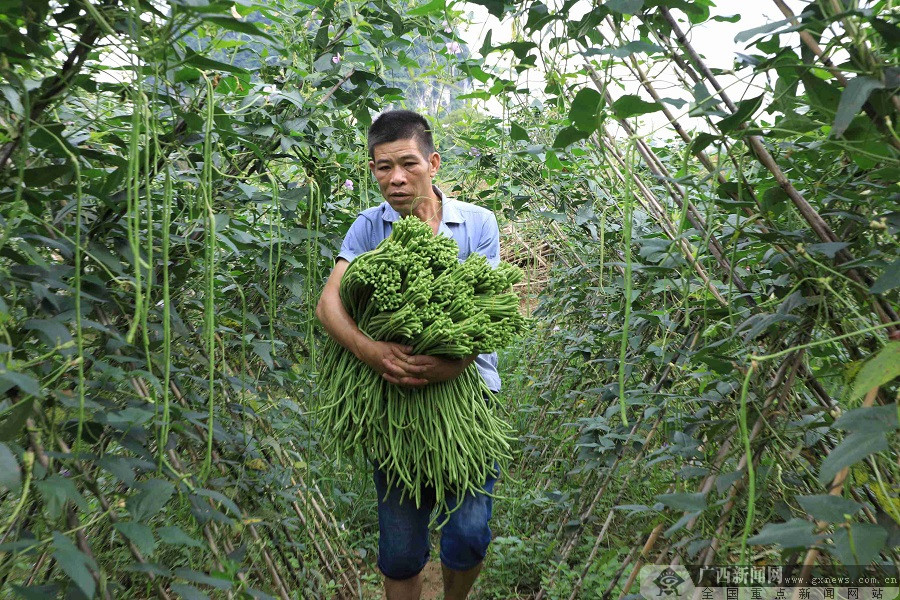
column 403, row 544
column 458, row 583
column 406, row 589
column 464, row 542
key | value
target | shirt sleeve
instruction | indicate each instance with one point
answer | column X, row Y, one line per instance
column 489, row 241
column 358, row 239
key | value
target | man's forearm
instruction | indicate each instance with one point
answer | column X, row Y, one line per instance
column 340, row 325
column 334, row 317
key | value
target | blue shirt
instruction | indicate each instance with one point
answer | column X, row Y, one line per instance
column 473, row 228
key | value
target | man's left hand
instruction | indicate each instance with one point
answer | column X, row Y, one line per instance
column 431, row 369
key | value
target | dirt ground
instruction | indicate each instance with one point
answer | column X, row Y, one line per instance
column 432, row 585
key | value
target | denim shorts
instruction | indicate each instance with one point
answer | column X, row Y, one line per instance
column 403, row 540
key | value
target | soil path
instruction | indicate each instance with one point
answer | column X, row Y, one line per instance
column 432, row 583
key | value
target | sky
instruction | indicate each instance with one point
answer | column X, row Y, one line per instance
column 714, row 40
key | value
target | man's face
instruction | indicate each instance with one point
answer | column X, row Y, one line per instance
column 403, row 174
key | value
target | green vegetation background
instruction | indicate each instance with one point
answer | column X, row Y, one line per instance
column 175, row 179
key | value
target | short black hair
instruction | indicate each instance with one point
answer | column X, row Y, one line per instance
column 396, row 125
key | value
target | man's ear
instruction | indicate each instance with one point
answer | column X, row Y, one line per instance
column 435, row 161
column 372, row 166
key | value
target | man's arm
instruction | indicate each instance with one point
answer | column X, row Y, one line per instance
column 390, row 359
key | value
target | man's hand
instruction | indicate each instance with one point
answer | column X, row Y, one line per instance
column 393, row 361
column 420, row 370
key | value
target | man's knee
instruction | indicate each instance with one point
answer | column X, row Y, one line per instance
column 401, row 564
column 462, row 550
column 465, row 539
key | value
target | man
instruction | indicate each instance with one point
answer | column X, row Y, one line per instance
column 403, row 159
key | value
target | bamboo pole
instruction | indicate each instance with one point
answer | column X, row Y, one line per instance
column 836, row 489
column 882, row 309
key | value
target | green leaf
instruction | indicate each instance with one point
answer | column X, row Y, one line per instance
column 569, row 136
column 796, row 533
column 701, row 141
column 149, row 567
column 823, row 96
column 538, row 16
column 10, row 472
column 888, row 280
column 140, row 534
column 119, row 467
column 187, row 74
column 774, row 200
column 188, row 592
column 680, row 523
column 220, row 497
column 684, row 501
column 152, row 495
column 37, row 592
column 745, row 109
column 176, row 536
column 428, row 7
column 244, row 27
column 74, row 563
column 56, row 490
column 828, row 249
column 263, row 350
column 635, row 47
column 495, row 7
column 203, row 578
column 868, row 419
column 585, row 106
column 41, row 176
column 517, row 132
column 552, row 161
column 631, row 105
column 676, row 102
column 868, row 540
column 889, row 31
column 13, row 421
column 825, row 507
column 202, row 62
column 12, row 97
column 877, row 370
column 54, row 333
column 726, row 480
column 855, row 95
column 768, row 27
column 704, row 101
column 792, row 124
column 851, row 450
column 628, row 7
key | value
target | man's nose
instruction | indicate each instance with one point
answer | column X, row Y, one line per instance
column 398, row 177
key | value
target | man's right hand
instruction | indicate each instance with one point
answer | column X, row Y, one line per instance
column 393, row 360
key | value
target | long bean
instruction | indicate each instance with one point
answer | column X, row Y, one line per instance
column 412, row 289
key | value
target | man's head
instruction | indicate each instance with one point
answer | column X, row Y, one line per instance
column 396, row 125
column 403, row 160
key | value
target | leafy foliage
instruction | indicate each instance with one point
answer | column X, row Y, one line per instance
column 714, row 365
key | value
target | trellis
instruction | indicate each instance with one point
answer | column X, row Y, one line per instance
column 782, row 395
column 290, row 535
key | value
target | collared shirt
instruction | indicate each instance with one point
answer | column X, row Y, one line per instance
column 472, row 227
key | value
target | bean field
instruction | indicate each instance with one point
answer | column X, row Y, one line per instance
column 709, row 371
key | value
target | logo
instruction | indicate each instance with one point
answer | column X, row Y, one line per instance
column 668, row 582
column 672, row 583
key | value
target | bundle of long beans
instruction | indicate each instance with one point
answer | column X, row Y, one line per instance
column 413, row 290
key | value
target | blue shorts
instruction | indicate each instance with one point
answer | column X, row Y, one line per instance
column 403, row 542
